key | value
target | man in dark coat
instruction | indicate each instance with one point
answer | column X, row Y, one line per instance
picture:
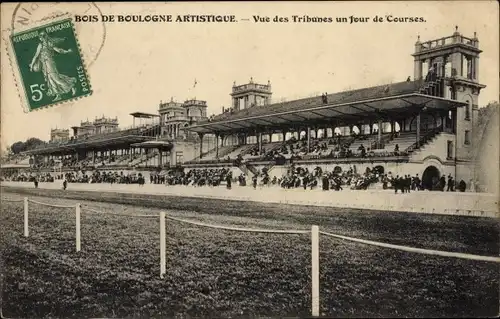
column 396, row 184
column 325, row 182
column 417, row 183
column 450, row 184
column 442, row 183
column 254, row 181
column 462, row 186
column 305, row 181
column 408, row 183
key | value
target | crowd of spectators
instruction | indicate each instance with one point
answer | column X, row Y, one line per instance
column 199, row 177
column 295, row 177
column 87, row 163
column 27, row 177
column 298, row 176
column 104, row 177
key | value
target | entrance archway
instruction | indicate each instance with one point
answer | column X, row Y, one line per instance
column 430, row 178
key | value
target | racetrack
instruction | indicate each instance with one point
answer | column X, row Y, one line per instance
column 227, row 274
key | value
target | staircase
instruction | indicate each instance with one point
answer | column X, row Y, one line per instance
column 269, row 166
column 434, row 87
column 244, row 169
column 252, row 168
column 248, row 168
column 434, row 143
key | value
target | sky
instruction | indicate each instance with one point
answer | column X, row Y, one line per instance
column 141, row 64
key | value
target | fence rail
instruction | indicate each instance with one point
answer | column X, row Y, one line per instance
column 90, row 210
column 314, row 232
column 51, row 205
column 252, row 230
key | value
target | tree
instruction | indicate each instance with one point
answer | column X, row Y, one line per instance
column 17, row 147
column 28, row 145
column 32, row 143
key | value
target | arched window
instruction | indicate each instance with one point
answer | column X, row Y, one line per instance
column 467, row 110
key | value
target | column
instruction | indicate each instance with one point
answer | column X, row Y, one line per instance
column 284, row 135
column 476, row 68
column 418, row 70
column 308, row 139
column 454, row 121
column 443, row 66
column 93, row 157
column 160, row 155
column 259, row 141
column 418, row 130
column 216, row 146
column 379, row 136
column 201, row 145
column 371, row 127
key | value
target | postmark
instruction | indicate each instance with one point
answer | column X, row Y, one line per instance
column 48, row 65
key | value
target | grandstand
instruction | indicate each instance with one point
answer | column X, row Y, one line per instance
column 423, row 126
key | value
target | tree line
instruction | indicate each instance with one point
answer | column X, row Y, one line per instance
column 30, row 144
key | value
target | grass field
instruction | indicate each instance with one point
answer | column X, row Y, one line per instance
column 215, row 273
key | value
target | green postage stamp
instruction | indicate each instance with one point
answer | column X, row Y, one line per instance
column 48, row 65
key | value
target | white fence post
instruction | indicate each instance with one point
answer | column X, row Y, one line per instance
column 77, row 233
column 163, row 259
column 315, row 270
column 26, row 230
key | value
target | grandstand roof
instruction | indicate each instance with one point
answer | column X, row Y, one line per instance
column 89, row 144
column 144, row 115
column 385, row 101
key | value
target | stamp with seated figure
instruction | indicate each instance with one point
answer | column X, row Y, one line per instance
column 48, row 65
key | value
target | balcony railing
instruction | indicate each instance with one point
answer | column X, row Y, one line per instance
column 251, row 86
column 448, row 41
column 177, row 118
column 195, row 102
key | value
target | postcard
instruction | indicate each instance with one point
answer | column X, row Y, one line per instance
column 249, row 159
